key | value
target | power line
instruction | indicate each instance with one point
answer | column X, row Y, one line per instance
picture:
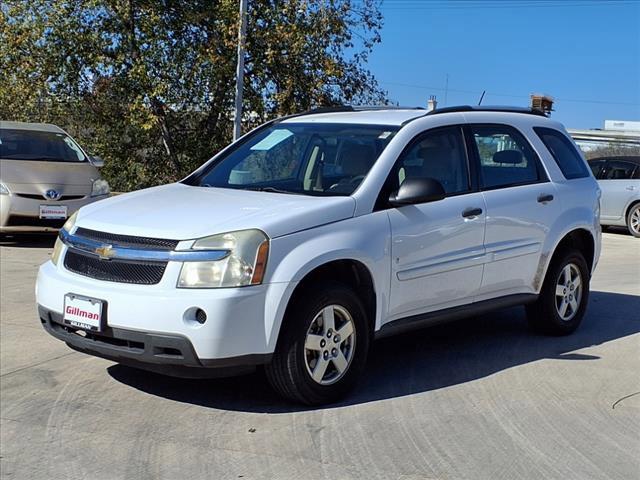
column 506, row 4
column 506, row 95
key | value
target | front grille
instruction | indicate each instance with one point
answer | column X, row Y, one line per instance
column 138, row 272
column 24, row 221
column 43, row 198
column 127, row 240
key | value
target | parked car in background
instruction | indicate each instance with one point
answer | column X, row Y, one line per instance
column 619, row 179
column 300, row 243
column 45, row 176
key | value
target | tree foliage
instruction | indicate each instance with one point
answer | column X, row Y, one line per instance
column 149, row 84
column 612, row 150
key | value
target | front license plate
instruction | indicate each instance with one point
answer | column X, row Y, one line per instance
column 82, row 312
column 53, row 211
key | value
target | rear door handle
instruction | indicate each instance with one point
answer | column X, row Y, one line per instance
column 545, row 197
column 631, row 187
column 471, row 212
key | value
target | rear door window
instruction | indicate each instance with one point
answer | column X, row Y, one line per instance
column 506, row 159
column 564, row 152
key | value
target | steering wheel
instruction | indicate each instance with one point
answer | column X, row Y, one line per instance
column 352, row 181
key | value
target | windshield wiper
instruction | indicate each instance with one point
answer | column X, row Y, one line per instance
column 271, row 190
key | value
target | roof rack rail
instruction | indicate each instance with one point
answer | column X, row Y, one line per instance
column 482, row 108
column 356, row 108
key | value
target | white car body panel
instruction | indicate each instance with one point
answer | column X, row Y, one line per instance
column 437, row 255
column 421, row 257
column 168, row 211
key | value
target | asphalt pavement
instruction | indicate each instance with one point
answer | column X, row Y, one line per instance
column 482, row 398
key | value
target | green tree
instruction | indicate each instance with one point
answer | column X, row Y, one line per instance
column 149, row 84
column 612, row 150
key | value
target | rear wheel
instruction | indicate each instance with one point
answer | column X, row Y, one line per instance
column 633, row 220
column 323, row 345
column 564, row 295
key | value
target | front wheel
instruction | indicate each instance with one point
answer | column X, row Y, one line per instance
column 323, row 345
column 564, row 295
column 633, row 220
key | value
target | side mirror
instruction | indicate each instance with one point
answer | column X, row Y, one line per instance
column 96, row 161
column 417, row 190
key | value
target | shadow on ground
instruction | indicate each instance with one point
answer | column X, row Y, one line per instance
column 32, row 240
column 421, row 361
column 624, row 231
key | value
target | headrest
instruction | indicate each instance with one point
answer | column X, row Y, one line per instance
column 511, row 157
column 356, row 158
column 434, row 152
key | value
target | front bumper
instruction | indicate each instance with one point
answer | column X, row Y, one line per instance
column 167, row 354
column 19, row 214
column 235, row 332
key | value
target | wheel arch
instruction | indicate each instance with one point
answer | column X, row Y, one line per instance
column 580, row 238
column 353, row 272
column 632, row 203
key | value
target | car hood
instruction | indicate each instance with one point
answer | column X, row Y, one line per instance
column 182, row 212
column 29, row 172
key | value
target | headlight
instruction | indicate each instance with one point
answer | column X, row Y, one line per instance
column 245, row 264
column 99, row 187
column 3, row 189
column 57, row 248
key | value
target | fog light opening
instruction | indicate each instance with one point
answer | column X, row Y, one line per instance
column 194, row 317
column 201, row 316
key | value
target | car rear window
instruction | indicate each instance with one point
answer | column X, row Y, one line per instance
column 564, row 152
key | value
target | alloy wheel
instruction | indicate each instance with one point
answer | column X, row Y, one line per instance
column 330, row 344
column 634, row 221
column 568, row 292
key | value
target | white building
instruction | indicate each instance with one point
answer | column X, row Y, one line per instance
column 618, row 132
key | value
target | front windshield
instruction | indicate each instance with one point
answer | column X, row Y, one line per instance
column 37, row 145
column 301, row 158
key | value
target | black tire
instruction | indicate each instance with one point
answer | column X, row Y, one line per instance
column 288, row 371
column 633, row 217
column 543, row 315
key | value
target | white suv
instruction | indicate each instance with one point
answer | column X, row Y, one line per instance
column 296, row 246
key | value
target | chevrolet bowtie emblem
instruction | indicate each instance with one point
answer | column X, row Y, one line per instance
column 105, row 252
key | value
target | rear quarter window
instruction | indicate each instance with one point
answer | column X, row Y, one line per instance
column 564, row 152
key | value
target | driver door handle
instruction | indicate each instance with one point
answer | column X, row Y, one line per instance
column 545, row 197
column 472, row 212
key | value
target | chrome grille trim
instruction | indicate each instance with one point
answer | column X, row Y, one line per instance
column 127, row 241
column 93, row 247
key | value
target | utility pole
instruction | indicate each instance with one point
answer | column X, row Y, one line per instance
column 237, row 122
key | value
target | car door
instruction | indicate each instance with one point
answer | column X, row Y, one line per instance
column 618, row 186
column 437, row 247
column 520, row 205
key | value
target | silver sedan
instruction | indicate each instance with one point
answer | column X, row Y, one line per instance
column 45, row 176
column 619, row 179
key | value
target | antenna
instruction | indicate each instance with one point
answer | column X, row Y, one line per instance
column 446, row 89
column 482, row 97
